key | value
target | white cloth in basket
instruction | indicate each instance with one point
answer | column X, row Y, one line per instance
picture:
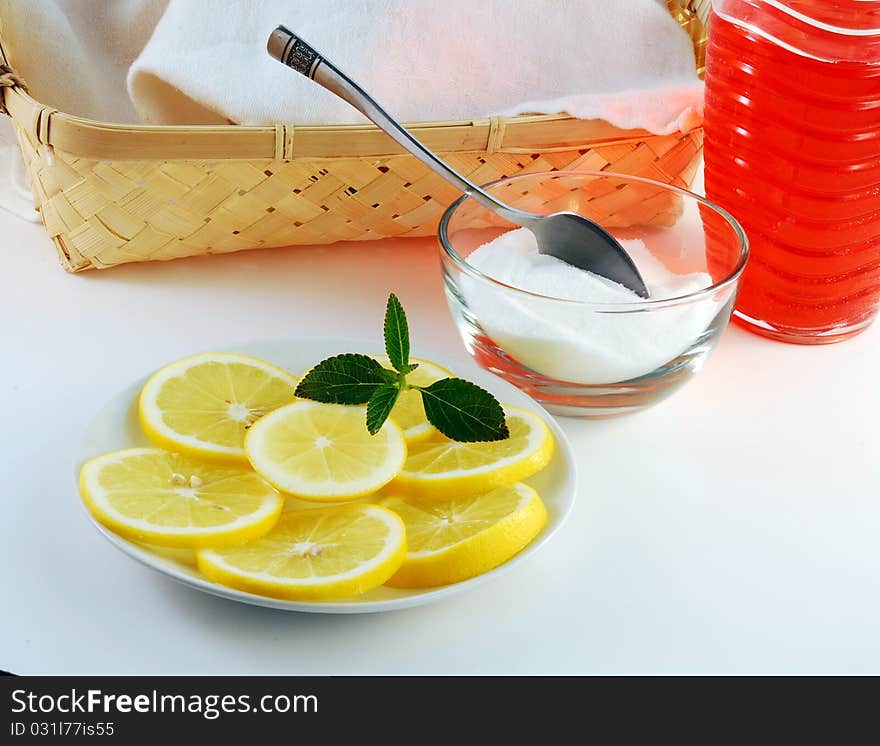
column 425, row 60
column 205, row 61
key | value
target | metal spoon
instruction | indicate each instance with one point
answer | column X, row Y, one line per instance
column 567, row 236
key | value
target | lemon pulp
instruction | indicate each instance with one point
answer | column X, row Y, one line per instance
column 324, row 452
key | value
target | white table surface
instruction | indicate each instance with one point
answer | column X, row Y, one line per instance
column 735, row 528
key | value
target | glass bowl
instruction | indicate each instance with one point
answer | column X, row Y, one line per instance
column 587, row 358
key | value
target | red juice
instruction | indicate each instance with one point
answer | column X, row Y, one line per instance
column 792, row 150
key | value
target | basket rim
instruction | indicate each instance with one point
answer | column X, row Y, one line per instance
column 91, row 138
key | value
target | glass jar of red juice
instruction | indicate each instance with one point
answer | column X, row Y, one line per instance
column 792, row 149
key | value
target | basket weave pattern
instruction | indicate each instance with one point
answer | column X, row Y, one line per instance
column 104, row 213
column 101, row 211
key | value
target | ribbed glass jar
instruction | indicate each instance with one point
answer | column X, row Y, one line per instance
column 792, row 149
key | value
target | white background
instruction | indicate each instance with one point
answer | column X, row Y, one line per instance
column 735, row 528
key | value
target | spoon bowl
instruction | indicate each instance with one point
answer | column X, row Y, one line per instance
column 583, row 243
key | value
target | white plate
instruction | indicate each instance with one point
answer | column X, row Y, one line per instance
column 116, row 426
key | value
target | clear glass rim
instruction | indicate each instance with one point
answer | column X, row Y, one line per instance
column 640, row 305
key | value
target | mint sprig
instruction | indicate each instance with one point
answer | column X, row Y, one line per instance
column 459, row 409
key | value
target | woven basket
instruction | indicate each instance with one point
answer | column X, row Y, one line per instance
column 113, row 193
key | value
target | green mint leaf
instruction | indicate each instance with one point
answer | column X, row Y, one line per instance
column 380, row 405
column 397, row 335
column 344, row 379
column 463, row 411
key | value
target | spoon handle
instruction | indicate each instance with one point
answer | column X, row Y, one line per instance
column 292, row 51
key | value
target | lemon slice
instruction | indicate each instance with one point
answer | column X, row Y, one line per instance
column 408, row 411
column 324, row 452
column 440, row 467
column 460, row 537
column 314, row 554
column 203, row 405
column 150, row 495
